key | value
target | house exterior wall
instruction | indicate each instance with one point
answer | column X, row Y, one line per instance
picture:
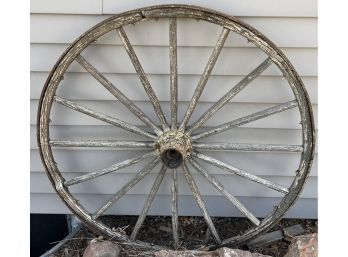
column 291, row 25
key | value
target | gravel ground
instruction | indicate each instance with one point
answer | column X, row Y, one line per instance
column 192, row 232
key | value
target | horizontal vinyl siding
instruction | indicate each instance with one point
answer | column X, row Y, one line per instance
column 233, row 60
column 276, row 8
column 130, row 85
column 291, row 25
column 94, row 159
column 300, row 32
column 241, row 135
column 218, row 206
column 62, row 115
column 296, row 8
column 67, row 6
column 237, row 185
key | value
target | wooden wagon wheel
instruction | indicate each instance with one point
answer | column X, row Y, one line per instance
column 175, row 144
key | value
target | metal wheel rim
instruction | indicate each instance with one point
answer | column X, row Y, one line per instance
column 176, row 11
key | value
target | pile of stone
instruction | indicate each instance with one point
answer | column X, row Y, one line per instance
column 301, row 246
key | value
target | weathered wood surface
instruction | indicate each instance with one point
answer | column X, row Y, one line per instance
column 269, row 238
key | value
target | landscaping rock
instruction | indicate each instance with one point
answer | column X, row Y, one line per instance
column 303, row 246
column 227, row 252
column 222, row 252
column 169, row 253
column 102, row 249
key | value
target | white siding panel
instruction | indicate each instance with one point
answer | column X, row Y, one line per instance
column 66, row 6
column 300, row 32
column 291, row 25
column 111, row 183
column 301, row 8
column 217, row 206
column 240, row 135
column 263, row 163
column 61, row 115
column 82, row 86
column 155, row 60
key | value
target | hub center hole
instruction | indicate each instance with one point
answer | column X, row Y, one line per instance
column 172, row 158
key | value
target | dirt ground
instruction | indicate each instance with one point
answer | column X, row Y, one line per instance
column 192, row 233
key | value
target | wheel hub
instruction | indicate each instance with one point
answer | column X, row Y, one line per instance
column 174, row 147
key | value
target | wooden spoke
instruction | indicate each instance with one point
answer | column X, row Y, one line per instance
column 246, row 119
column 241, row 172
column 200, row 203
column 247, row 147
column 204, row 78
column 139, row 69
column 103, row 143
column 173, row 72
column 174, row 203
column 148, row 202
column 230, row 94
column 146, row 170
column 118, row 94
column 99, row 116
column 110, row 169
column 212, row 180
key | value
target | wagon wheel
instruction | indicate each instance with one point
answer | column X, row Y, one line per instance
column 175, row 145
